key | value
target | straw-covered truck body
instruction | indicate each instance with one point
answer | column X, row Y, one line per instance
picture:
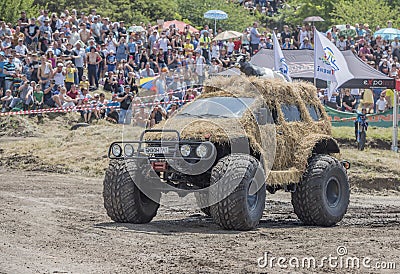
column 241, row 138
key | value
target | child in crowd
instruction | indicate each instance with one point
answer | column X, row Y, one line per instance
column 84, row 83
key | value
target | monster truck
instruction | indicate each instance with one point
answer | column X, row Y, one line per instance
column 239, row 139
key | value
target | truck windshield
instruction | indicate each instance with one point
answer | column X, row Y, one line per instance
column 217, row 107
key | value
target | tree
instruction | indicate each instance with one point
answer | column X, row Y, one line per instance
column 373, row 12
column 193, row 10
column 10, row 9
column 295, row 11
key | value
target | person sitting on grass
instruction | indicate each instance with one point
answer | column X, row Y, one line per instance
column 67, row 102
column 6, row 101
column 25, row 92
column 111, row 111
column 84, row 83
column 95, row 104
column 141, row 117
column 84, row 100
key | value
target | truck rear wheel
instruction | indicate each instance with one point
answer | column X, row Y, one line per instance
column 323, row 195
column 242, row 209
column 123, row 200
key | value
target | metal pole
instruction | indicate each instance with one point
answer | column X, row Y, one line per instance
column 215, row 27
column 395, row 146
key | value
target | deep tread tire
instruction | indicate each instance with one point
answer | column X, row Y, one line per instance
column 233, row 212
column 123, row 200
column 310, row 200
column 202, row 202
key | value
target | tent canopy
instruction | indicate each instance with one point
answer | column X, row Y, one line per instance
column 301, row 66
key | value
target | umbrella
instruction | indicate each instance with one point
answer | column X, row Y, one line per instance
column 313, row 19
column 343, row 27
column 227, row 35
column 387, row 33
column 179, row 25
column 136, row 29
column 216, row 15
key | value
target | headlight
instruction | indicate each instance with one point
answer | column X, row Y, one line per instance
column 129, row 150
column 116, row 150
column 201, row 151
column 185, row 150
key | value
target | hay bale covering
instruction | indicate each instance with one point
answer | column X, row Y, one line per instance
column 295, row 140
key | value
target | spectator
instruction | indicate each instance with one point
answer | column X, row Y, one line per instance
column 125, row 99
column 254, row 38
column 141, row 117
column 348, row 101
column 93, row 60
column 9, row 69
column 381, row 104
column 306, row 44
column 2, row 74
column 147, row 71
column 6, row 101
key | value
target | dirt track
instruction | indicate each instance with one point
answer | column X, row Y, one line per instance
column 57, row 224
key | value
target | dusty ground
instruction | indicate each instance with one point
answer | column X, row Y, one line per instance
column 53, row 223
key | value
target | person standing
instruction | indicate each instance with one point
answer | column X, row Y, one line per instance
column 125, row 98
column 2, row 74
column 93, row 60
column 254, row 38
column 79, row 60
column 9, row 71
column 200, row 67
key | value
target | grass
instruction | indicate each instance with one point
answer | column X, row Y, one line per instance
column 374, row 133
column 55, row 146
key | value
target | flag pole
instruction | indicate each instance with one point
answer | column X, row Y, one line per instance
column 395, row 146
column 315, row 56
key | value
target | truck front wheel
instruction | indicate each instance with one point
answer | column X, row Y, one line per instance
column 238, row 178
column 323, row 195
column 123, row 200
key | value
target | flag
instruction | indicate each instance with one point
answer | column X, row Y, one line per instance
column 329, row 63
column 279, row 59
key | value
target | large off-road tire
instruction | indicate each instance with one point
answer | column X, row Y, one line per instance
column 363, row 139
column 202, row 202
column 123, row 200
column 323, row 195
column 239, row 210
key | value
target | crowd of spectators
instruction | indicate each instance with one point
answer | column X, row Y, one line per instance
column 77, row 59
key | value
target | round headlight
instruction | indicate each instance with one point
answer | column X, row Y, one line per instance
column 116, row 150
column 185, row 150
column 201, row 151
column 129, row 150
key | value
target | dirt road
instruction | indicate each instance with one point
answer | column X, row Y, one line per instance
column 57, row 224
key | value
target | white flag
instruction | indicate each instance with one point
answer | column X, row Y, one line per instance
column 279, row 59
column 329, row 63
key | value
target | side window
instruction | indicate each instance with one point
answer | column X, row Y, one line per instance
column 265, row 116
column 291, row 113
column 315, row 113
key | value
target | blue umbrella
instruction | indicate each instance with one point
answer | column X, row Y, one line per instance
column 387, row 33
column 216, row 15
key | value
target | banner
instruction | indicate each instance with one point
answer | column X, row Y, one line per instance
column 346, row 119
column 329, row 63
column 280, row 61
